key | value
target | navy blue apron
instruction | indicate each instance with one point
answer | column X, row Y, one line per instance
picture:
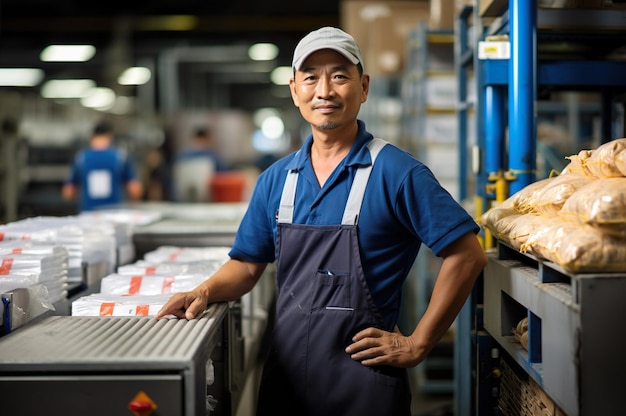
column 323, row 300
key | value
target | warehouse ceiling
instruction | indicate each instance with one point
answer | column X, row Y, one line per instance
column 199, row 43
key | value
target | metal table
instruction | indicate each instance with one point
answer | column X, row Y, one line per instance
column 65, row 365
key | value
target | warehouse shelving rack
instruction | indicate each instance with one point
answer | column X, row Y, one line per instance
column 506, row 97
column 429, row 124
column 574, row 352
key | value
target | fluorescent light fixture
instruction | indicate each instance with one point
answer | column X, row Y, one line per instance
column 136, row 75
column 263, row 52
column 66, row 88
column 99, row 98
column 273, row 127
column 261, row 114
column 67, row 53
column 281, row 75
column 20, row 77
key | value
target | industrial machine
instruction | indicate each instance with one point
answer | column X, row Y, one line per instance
column 69, row 365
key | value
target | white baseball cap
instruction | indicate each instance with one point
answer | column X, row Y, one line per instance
column 327, row 38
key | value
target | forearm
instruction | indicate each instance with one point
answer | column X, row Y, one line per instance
column 234, row 279
column 454, row 283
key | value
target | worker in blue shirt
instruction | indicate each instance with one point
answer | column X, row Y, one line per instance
column 343, row 218
column 101, row 174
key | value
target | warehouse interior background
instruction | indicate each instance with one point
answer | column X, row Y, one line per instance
column 197, row 71
column 199, row 67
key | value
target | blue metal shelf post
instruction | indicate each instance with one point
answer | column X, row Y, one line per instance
column 522, row 91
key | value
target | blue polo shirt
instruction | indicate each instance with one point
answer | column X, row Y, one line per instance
column 102, row 176
column 403, row 206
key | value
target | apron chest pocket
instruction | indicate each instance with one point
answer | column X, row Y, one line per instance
column 331, row 291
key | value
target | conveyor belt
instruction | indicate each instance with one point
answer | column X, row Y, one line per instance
column 97, row 366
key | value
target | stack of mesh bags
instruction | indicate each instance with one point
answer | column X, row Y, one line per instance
column 142, row 288
column 575, row 219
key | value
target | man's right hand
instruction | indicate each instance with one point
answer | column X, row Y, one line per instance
column 184, row 305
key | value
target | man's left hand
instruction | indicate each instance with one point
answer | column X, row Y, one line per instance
column 373, row 347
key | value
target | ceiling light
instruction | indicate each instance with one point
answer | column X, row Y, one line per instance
column 20, row 77
column 281, row 75
column 99, row 98
column 66, row 88
column 67, row 53
column 136, row 75
column 273, row 127
column 262, row 114
column 263, row 51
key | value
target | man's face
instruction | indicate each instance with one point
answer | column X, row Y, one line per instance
column 328, row 90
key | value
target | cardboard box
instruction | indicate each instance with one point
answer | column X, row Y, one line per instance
column 382, row 29
column 442, row 13
column 492, row 8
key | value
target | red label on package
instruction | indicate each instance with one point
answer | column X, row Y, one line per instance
column 5, row 267
column 106, row 309
column 135, row 285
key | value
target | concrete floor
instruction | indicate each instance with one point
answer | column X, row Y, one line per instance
column 432, row 404
column 441, row 404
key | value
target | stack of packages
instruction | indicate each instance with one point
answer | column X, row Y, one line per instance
column 86, row 241
column 37, row 267
column 142, row 288
column 576, row 219
column 123, row 222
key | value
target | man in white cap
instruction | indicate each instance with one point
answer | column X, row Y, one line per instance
column 344, row 218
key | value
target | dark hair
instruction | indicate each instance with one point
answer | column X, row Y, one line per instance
column 103, row 127
column 202, row 132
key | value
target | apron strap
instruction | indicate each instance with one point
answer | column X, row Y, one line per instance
column 355, row 199
column 285, row 211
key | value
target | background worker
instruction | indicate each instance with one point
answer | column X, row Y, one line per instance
column 343, row 218
column 195, row 166
column 101, row 174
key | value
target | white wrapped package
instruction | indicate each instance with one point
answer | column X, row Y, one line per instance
column 9, row 247
column 117, row 284
column 168, row 254
column 44, row 267
column 16, row 281
column 86, row 241
column 99, row 304
column 132, row 217
column 204, row 267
